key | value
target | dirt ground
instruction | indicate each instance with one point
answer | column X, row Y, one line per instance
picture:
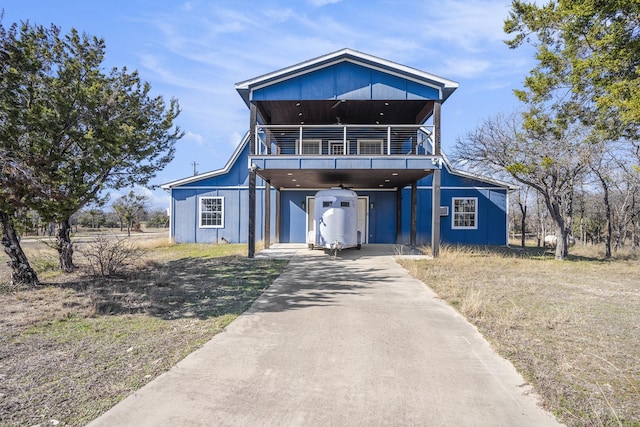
column 75, row 346
column 572, row 328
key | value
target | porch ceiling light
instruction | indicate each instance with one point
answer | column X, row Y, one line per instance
column 395, row 174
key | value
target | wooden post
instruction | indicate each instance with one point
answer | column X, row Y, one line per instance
column 277, row 216
column 414, row 213
column 435, row 195
column 399, row 215
column 267, row 215
column 251, row 241
column 253, row 120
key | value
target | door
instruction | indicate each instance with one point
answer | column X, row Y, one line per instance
column 363, row 218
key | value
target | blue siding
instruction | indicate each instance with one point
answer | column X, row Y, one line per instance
column 236, row 201
column 293, row 219
column 345, row 81
column 238, row 174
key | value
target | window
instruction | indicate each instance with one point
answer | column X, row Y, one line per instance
column 370, row 146
column 336, row 148
column 326, row 204
column 311, row 146
column 211, row 212
column 465, row 213
column 344, row 204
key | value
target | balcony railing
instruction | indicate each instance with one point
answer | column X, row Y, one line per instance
column 344, row 140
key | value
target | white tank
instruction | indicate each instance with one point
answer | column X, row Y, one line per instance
column 336, row 217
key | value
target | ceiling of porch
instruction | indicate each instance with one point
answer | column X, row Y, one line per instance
column 322, row 112
column 350, row 178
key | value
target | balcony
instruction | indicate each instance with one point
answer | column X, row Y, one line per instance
column 357, row 156
column 344, row 140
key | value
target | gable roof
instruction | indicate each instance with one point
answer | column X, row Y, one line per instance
column 475, row 176
column 217, row 172
column 445, row 86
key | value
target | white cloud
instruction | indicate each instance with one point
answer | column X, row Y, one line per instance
column 469, row 25
column 190, row 136
column 465, row 67
column 320, row 3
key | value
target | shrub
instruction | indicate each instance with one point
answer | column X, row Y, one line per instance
column 109, row 255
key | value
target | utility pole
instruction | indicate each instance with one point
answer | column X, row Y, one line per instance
column 195, row 172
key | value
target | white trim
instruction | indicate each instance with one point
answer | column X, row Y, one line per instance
column 200, row 199
column 371, row 143
column 172, row 216
column 217, row 172
column 300, row 147
column 453, row 214
column 474, row 176
column 215, row 187
column 428, row 187
column 347, row 55
column 345, row 145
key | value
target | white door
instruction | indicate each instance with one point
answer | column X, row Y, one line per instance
column 363, row 218
column 311, row 222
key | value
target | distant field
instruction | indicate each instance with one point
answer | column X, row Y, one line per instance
column 571, row 328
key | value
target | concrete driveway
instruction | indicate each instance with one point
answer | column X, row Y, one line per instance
column 353, row 341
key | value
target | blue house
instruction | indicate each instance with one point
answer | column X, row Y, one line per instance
column 346, row 119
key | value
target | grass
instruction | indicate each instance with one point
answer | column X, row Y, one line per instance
column 571, row 328
column 74, row 347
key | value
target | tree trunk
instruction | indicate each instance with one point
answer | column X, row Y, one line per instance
column 21, row 271
column 607, row 207
column 523, row 209
column 65, row 247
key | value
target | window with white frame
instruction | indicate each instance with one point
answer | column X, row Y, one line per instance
column 211, row 212
column 465, row 212
column 370, row 146
column 311, row 146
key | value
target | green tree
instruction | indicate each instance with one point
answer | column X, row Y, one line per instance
column 129, row 207
column 158, row 219
column 591, row 50
column 73, row 129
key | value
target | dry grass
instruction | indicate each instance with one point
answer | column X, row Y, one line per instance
column 77, row 345
column 571, row 328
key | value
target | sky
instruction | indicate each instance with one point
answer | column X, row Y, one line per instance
column 197, row 50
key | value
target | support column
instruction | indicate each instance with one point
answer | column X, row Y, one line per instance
column 435, row 195
column 277, row 216
column 414, row 213
column 399, row 215
column 267, row 215
column 251, row 241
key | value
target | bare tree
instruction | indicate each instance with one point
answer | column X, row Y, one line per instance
column 550, row 159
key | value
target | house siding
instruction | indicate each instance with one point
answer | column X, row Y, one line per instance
column 346, row 81
column 491, row 220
